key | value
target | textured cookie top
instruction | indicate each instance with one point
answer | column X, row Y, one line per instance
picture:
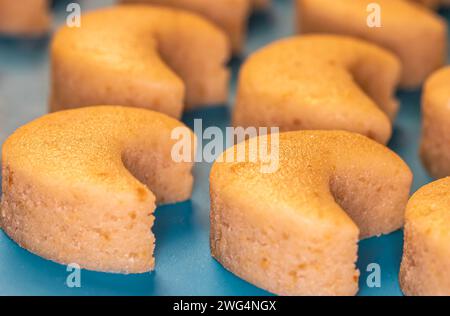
column 128, row 34
column 124, row 53
column 437, row 89
column 314, row 168
column 323, row 66
column 429, row 210
column 84, row 148
column 336, row 73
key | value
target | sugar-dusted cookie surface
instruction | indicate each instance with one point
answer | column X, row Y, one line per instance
column 415, row 34
column 80, row 186
column 426, row 256
column 136, row 55
column 294, row 231
column 319, row 82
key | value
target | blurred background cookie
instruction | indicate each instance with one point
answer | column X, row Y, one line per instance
column 230, row 15
column 28, row 18
column 415, row 34
column 435, row 143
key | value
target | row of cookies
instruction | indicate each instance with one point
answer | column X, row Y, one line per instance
column 31, row 17
column 416, row 35
column 81, row 186
column 347, row 84
column 122, row 75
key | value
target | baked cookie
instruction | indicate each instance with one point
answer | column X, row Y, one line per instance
column 295, row 231
column 142, row 56
column 416, row 35
column 29, row 18
column 80, row 186
column 230, row 15
column 426, row 256
column 435, row 145
column 319, row 82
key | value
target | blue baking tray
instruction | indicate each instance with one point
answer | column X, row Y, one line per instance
column 183, row 262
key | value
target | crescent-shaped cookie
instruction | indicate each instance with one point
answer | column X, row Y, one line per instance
column 294, row 231
column 319, row 82
column 415, row 34
column 142, row 56
column 426, row 256
column 79, row 186
column 435, row 144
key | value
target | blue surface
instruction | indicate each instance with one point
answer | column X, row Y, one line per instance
column 183, row 262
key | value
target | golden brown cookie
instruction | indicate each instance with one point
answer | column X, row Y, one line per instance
column 136, row 55
column 295, row 231
column 415, row 34
column 80, row 186
column 319, row 82
column 426, row 256
column 435, row 144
